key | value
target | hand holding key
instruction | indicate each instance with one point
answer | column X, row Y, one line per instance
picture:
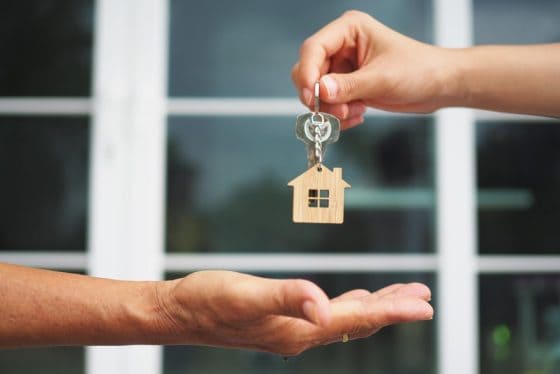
column 362, row 62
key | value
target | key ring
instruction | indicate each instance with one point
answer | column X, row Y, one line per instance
column 317, row 99
column 310, row 125
column 318, row 123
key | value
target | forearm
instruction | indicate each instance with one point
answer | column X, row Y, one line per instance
column 40, row 307
column 520, row 79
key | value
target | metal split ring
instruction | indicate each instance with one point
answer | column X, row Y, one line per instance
column 317, row 99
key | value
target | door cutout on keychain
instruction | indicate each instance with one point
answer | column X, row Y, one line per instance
column 319, row 196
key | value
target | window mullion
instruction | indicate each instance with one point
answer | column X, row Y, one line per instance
column 456, row 212
column 128, row 147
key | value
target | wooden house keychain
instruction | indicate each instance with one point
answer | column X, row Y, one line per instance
column 318, row 192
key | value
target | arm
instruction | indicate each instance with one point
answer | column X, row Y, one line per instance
column 216, row 308
column 362, row 62
column 41, row 307
column 520, row 79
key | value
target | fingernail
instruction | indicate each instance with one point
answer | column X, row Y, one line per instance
column 307, row 96
column 331, row 85
column 428, row 310
column 310, row 311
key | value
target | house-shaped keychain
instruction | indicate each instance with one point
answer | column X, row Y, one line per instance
column 319, row 196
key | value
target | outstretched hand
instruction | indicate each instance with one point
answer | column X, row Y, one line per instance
column 229, row 309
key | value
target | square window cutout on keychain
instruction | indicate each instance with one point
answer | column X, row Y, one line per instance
column 318, row 192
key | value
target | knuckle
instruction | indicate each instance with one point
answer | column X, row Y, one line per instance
column 295, row 69
column 306, row 45
column 392, row 315
column 279, row 297
column 285, row 297
column 360, row 325
column 353, row 14
column 301, row 283
column 296, row 285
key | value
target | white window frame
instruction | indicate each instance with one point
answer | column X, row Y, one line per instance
column 457, row 305
column 129, row 109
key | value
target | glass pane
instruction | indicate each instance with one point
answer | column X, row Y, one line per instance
column 516, row 21
column 46, row 47
column 227, row 187
column 247, row 48
column 43, row 360
column 518, row 181
column 400, row 349
column 43, row 194
column 520, row 324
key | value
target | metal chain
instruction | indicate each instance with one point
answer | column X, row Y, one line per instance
column 316, row 129
column 318, row 148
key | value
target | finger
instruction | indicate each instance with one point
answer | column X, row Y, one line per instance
column 324, row 68
column 388, row 290
column 319, row 48
column 396, row 308
column 339, row 65
column 345, row 111
column 294, row 298
column 295, row 70
column 350, row 295
column 359, row 318
column 418, row 290
column 305, row 94
column 339, row 88
column 358, row 293
column 352, row 122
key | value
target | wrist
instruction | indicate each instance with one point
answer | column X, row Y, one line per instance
column 160, row 317
column 455, row 91
column 144, row 315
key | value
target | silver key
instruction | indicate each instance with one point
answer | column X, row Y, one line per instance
column 317, row 129
column 325, row 125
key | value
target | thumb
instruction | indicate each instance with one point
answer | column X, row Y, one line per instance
column 297, row 298
column 343, row 88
